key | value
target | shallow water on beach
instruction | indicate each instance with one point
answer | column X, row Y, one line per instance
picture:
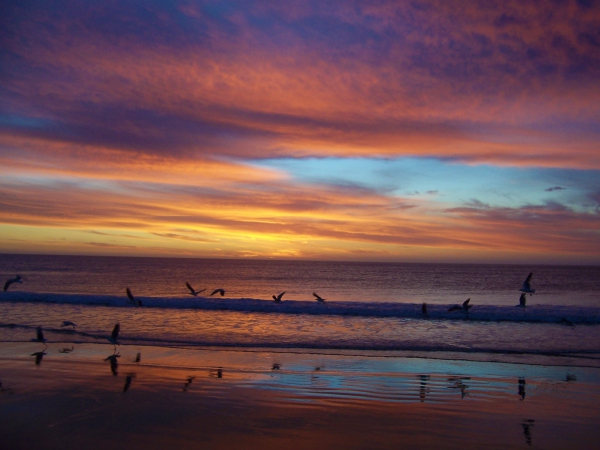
column 369, row 307
column 157, row 397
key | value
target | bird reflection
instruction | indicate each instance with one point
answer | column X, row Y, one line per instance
column 218, row 373
column 571, row 377
column 459, row 384
column 138, row 358
column 527, row 425
column 187, row 383
column 38, row 357
column 423, row 387
column 567, row 322
column 66, row 349
column 522, row 388
column 114, row 364
column 128, row 379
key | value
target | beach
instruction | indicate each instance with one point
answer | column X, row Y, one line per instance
column 215, row 398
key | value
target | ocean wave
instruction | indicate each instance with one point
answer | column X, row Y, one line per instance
column 491, row 313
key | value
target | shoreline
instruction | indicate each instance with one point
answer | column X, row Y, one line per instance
column 297, row 400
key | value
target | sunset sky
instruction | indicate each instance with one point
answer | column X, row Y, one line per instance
column 434, row 131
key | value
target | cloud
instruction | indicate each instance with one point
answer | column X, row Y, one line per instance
column 555, row 188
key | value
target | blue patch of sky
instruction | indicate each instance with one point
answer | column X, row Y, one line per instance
column 445, row 181
column 15, row 121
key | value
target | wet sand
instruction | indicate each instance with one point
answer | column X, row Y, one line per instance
column 217, row 399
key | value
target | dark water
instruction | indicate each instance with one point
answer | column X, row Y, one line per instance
column 569, row 291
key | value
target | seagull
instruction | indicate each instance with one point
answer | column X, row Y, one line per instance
column 278, row 298
column 526, row 288
column 132, row 298
column 464, row 308
column 424, row 309
column 219, row 291
column 114, row 335
column 68, row 323
column 319, row 298
column 192, row 290
column 40, row 336
column 522, row 300
column 16, row 279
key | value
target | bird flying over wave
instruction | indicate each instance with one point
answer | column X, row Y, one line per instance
column 219, row 291
column 132, row 299
column 16, row 279
column 319, row 298
column 192, row 290
column 278, row 298
column 464, row 308
column 526, row 288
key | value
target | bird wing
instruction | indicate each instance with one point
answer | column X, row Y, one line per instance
column 523, row 299
column 7, row 284
column 280, row 295
column 115, row 332
column 466, row 302
column 130, row 295
column 221, row 291
column 317, row 296
column 190, row 287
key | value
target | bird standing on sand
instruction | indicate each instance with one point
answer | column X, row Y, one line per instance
column 218, row 291
column 278, row 298
column 192, row 290
column 68, row 323
column 319, row 298
column 526, row 288
column 464, row 308
column 522, row 300
column 16, row 279
column 132, row 299
column 114, row 335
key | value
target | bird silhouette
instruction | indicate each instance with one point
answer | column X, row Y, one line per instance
column 16, row 279
column 132, row 299
column 114, row 336
column 526, row 288
column 68, row 323
column 192, row 290
column 319, row 298
column 278, row 298
column 522, row 300
column 464, row 308
column 218, row 291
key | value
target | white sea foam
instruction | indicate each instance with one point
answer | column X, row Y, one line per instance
column 491, row 313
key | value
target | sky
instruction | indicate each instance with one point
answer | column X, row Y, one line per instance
column 409, row 131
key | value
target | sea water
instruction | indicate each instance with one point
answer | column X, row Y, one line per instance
column 369, row 307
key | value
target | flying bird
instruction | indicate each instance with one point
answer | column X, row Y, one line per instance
column 526, row 288
column 132, row 299
column 138, row 358
column 319, row 298
column 278, row 298
column 16, row 279
column 68, row 323
column 522, row 300
column 219, row 291
column 192, row 290
column 114, row 335
column 128, row 379
column 464, row 308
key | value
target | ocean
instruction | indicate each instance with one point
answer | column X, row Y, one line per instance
column 370, row 308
